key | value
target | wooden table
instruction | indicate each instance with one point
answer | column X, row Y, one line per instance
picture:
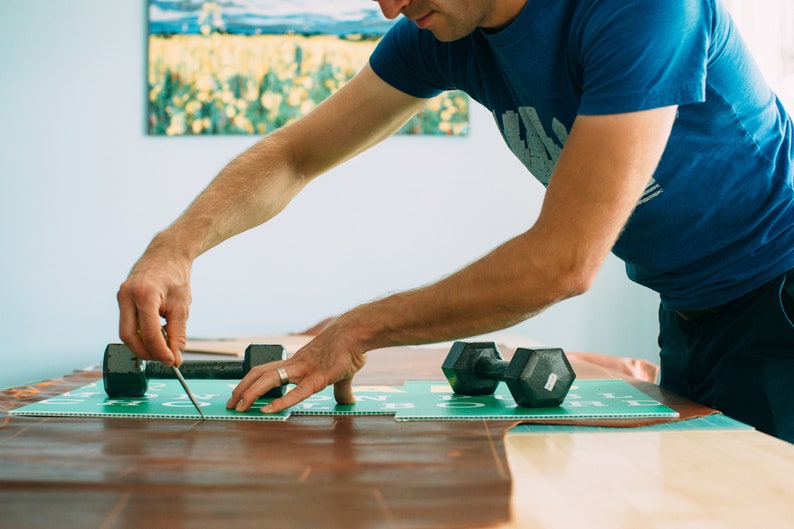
column 652, row 480
column 373, row 472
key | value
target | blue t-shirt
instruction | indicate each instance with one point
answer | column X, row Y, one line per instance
column 717, row 219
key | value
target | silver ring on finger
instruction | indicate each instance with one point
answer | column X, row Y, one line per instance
column 282, row 376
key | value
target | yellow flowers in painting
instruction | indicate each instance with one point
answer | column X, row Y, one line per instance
column 206, row 78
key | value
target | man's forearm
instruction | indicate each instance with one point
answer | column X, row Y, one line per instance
column 507, row 286
column 251, row 189
column 596, row 184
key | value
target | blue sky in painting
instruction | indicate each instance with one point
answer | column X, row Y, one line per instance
column 337, row 17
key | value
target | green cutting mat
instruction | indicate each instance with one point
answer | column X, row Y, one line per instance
column 165, row 399
column 412, row 401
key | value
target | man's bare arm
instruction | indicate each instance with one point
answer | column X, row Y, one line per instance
column 603, row 170
column 252, row 189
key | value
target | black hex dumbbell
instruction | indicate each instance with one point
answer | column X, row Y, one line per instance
column 125, row 375
column 537, row 378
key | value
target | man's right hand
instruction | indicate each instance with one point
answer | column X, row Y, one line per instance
column 157, row 288
column 250, row 190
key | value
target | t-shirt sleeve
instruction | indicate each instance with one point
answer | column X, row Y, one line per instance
column 409, row 59
column 640, row 55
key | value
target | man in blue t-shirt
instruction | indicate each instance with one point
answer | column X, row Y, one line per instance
column 656, row 138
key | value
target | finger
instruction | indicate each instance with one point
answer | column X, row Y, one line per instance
column 128, row 326
column 238, row 393
column 150, row 329
column 140, row 327
column 176, row 327
column 256, row 383
column 343, row 392
column 296, row 395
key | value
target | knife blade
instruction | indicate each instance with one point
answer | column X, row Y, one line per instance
column 182, row 380
column 187, row 390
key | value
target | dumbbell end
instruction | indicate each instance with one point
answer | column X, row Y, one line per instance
column 539, row 378
column 263, row 353
column 460, row 371
column 122, row 372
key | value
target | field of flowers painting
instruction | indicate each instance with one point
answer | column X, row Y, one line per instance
column 252, row 66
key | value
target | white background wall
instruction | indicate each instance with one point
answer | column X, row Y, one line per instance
column 83, row 189
column 768, row 28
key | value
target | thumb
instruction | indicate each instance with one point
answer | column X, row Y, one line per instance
column 343, row 392
column 176, row 335
column 176, row 340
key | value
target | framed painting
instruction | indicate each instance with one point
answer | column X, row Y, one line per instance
column 252, row 66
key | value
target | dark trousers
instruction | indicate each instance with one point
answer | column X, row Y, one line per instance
column 738, row 359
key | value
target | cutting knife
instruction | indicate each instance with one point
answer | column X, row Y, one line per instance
column 182, row 381
column 187, row 390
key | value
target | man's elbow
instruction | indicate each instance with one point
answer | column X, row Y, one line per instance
column 569, row 280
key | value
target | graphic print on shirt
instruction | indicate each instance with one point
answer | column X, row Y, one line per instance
column 652, row 190
column 538, row 152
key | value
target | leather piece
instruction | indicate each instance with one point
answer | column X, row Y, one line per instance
column 629, row 367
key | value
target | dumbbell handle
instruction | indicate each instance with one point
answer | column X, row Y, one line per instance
column 199, row 369
column 490, row 368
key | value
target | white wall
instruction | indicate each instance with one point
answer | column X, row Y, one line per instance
column 84, row 189
column 766, row 26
